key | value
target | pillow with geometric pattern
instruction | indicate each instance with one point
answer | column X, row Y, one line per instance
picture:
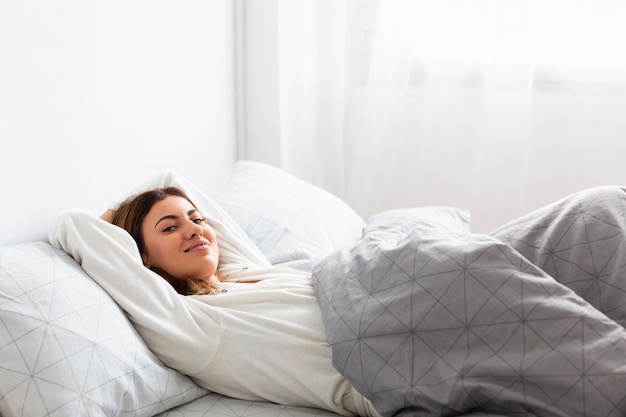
column 67, row 349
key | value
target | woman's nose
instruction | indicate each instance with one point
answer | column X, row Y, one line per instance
column 194, row 230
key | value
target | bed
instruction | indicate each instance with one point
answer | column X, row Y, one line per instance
column 66, row 348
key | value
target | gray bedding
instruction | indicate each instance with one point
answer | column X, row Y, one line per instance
column 525, row 321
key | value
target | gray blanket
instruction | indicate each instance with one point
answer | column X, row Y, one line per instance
column 525, row 321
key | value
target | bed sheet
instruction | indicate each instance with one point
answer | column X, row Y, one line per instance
column 216, row 405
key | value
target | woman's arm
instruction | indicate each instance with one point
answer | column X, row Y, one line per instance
column 184, row 335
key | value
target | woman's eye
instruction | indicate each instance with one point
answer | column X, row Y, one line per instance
column 199, row 220
column 169, row 229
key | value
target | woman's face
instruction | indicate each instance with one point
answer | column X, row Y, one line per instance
column 179, row 241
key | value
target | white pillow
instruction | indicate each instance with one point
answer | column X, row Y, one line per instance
column 293, row 222
column 66, row 348
column 404, row 220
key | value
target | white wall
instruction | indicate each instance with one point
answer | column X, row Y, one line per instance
column 259, row 99
column 96, row 96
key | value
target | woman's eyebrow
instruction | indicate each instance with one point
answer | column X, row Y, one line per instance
column 167, row 217
column 174, row 217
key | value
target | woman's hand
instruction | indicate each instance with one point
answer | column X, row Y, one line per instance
column 108, row 215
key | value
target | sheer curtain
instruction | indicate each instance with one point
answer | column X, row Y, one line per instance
column 495, row 106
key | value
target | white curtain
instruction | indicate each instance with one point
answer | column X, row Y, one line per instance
column 497, row 106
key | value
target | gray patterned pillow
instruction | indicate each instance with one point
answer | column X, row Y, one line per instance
column 66, row 348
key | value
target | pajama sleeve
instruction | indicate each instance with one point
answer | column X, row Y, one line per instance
column 183, row 332
column 109, row 255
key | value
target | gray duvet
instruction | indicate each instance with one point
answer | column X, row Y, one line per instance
column 526, row 321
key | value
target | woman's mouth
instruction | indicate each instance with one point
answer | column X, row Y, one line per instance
column 199, row 245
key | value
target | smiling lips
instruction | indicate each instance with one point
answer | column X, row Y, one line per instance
column 198, row 245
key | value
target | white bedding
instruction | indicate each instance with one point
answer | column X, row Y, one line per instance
column 67, row 349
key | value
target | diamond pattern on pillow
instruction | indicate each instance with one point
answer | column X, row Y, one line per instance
column 66, row 348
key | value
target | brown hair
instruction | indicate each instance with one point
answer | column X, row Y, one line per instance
column 130, row 216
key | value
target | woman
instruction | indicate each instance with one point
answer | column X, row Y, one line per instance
column 246, row 329
column 251, row 331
